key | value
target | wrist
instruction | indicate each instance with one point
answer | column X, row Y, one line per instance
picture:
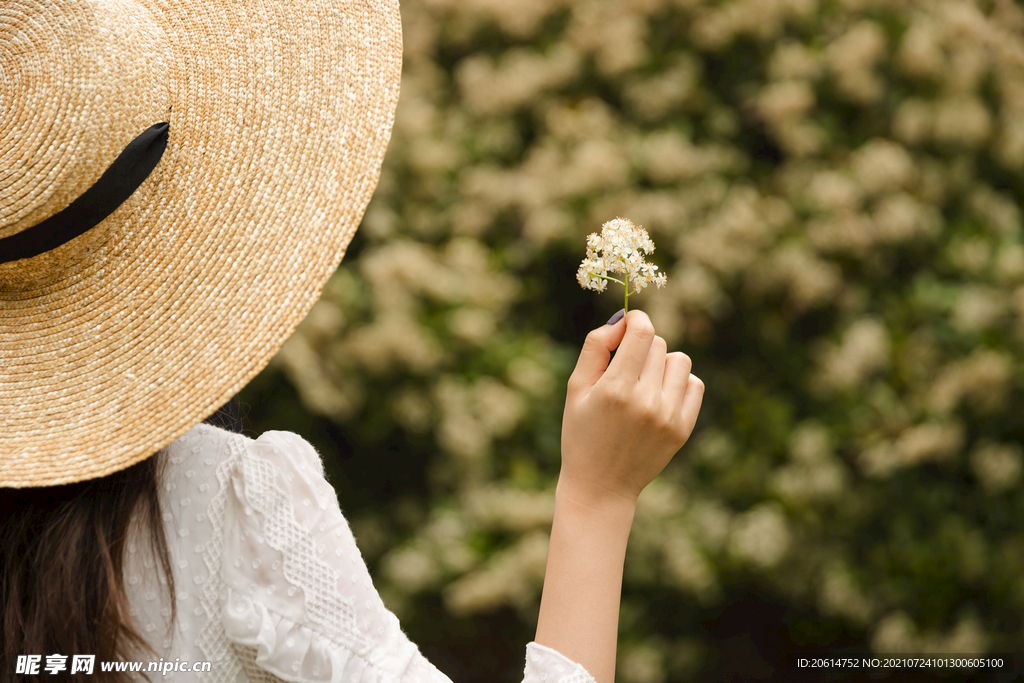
column 587, row 495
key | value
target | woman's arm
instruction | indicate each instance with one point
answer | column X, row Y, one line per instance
column 623, row 422
column 579, row 608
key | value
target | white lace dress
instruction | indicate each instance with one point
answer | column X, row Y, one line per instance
column 270, row 584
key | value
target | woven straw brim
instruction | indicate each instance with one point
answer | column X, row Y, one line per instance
column 280, row 112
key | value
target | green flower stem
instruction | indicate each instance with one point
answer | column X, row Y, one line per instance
column 624, row 284
column 605, row 277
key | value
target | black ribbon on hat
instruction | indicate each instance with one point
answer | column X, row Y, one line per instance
column 129, row 170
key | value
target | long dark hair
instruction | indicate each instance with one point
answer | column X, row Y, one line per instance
column 62, row 563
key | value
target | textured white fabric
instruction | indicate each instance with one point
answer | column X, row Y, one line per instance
column 270, row 583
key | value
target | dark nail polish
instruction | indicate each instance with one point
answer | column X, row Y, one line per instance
column 617, row 317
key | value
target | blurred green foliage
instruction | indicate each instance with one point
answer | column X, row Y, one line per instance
column 832, row 187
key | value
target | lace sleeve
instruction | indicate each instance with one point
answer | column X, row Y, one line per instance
column 299, row 596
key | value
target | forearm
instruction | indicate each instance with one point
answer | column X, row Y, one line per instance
column 579, row 607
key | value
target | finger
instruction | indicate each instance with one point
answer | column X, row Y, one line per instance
column 597, row 349
column 636, row 344
column 653, row 373
column 677, row 371
column 692, row 398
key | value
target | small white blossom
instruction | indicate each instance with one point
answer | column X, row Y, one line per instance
column 618, row 250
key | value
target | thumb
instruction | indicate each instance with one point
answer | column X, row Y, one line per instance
column 597, row 352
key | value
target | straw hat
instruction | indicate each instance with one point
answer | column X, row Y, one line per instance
column 248, row 136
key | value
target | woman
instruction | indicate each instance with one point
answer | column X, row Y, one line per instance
column 179, row 181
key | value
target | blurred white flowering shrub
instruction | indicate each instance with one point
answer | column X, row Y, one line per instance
column 833, row 188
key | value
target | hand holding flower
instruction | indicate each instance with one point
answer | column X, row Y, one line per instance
column 625, row 420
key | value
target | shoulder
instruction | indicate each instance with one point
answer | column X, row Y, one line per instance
column 208, row 445
column 286, row 449
column 207, row 460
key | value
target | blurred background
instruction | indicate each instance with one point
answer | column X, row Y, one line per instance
column 833, row 189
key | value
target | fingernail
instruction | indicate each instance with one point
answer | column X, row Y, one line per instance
column 617, row 317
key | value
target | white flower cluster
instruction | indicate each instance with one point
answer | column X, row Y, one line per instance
column 617, row 250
